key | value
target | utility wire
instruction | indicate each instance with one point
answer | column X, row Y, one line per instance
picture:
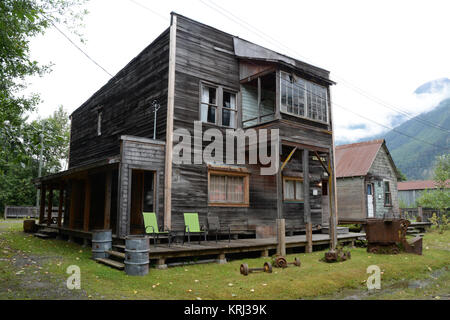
column 81, row 50
column 151, row 10
column 265, row 36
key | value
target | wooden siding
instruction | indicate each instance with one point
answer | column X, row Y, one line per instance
column 126, row 106
column 380, row 171
column 351, row 198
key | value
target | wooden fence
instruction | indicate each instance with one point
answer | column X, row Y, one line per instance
column 26, row 212
column 424, row 213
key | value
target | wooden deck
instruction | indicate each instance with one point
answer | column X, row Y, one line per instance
column 162, row 252
column 222, row 247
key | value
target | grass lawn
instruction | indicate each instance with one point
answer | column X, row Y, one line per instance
column 32, row 268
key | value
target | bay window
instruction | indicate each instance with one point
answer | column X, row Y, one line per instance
column 303, row 98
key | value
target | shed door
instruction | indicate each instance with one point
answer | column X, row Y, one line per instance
column 370, row 200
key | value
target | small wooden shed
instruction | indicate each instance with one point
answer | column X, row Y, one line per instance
column 366, row 181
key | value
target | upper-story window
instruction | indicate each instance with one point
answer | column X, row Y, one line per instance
column 218, row 106
column 303, row 98
column 99, row 122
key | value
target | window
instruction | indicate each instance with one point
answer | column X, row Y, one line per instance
column 218, row 106
column 387, row 194
column 99, row 122
column 228, row 189
column 292, row 189
column 303, row 98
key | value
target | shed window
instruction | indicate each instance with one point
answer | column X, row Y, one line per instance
column 292, row 189
column 226, row 188
column 303, row 98
column 387, row 194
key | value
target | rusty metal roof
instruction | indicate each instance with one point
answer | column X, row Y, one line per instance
column 416, row 185
column 353, row 160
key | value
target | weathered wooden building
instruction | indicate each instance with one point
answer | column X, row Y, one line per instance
column 202, row 78
column 366, row 181
column 410, row 191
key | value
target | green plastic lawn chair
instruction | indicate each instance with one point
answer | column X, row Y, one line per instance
column 151, row 227
column 192, row 227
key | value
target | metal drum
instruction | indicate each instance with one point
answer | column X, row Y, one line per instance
column 101, row 242
column 136, row 255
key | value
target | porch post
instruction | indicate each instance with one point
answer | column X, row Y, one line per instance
column 50, row 206
column 73, row 193
column 42, row 208
column 307, row 207
column 87, row 204
column 61, row 201
column 169, row 125
column 107, row 213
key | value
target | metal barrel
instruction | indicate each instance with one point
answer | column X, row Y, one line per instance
column 136, row 255
column 101, row 242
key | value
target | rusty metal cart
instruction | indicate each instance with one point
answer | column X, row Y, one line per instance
column 389, row 236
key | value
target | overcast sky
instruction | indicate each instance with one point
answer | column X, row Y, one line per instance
column 385, row 49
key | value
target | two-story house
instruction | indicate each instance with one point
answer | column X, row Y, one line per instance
column 202, row 79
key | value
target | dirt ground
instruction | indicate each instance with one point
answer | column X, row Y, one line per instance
column 27, row 277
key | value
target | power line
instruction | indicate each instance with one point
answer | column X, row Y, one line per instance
column 370, row 120
column 81, row 50
column 265, row 36
column 149, row 9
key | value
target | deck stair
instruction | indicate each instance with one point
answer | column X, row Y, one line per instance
column 115, row 258
column 46, row 233
column 111, row 263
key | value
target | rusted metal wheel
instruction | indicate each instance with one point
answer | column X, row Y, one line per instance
column 244, row 269
column 268, row 267
column 297, row 262
column 395, row 250
column 281, row 262
column 373, row 249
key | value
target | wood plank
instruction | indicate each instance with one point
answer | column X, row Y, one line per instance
column 87, row 204
column 111, row 263
column 169, row 125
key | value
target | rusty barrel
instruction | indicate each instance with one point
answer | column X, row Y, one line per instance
column 29, row 225
column 136, row 255
column 101, row 242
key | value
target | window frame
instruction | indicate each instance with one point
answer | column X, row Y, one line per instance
column 285, row 178
column 387, row 194
column 219, row 104
column 284, row 109
column 246, row 188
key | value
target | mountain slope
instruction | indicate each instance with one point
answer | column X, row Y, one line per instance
column 415, row 158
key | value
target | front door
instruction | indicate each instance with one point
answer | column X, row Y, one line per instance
column 142, row 198
column 370, row 211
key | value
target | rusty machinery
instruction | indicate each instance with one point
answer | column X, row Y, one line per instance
column 281, row 262
column 337, row 255
column 389, row 236
column 245, row 270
